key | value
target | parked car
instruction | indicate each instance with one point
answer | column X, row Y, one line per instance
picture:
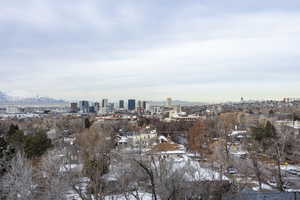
column 294, row 172
column 231, row 170
column 243, row 156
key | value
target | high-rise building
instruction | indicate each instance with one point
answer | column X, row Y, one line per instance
column 97, row 107
column 92, row 109
column 169, row 102
column 144, row 105
column 84, row 106
column 148, row 107
column 121, row 104
column 131, row 104
column 139, row 104
column 110, row 107
column 104, row 103
column 74, row 108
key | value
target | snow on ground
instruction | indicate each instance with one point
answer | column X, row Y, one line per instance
column 69, row 140
column 194, row 172
column 264, row 187
column 141, row 195
column 238, row 153
column 290, row 167
column 292, row 190
column 71, row 167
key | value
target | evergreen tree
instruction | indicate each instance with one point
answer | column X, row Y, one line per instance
column 36, row 144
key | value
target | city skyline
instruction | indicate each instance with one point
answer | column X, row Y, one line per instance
column 204, row 51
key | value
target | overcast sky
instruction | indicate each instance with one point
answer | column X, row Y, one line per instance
column 196, row 50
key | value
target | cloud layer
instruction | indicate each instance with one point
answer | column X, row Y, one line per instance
column 193, row 50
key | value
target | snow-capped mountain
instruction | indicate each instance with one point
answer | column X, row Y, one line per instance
column 7, row 99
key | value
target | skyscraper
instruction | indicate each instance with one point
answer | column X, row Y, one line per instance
column 74, row 108
column 84, row 106
column 104, row 105
column 131, row 104
column 169, row 102
column 144, row 104
column 97, row 107
column 121, row 104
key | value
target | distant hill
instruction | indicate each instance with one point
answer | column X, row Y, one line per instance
column 178, row 102
column 6, row 99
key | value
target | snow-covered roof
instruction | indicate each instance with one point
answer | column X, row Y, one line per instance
column 123, row 139
column 235, row 133
column 161, row 137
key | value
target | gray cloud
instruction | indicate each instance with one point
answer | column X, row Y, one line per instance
column 94, row 49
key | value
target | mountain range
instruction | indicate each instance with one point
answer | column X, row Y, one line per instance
column 7, row 99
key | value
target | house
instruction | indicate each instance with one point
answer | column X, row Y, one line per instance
column 167, row 149
column 246, row 195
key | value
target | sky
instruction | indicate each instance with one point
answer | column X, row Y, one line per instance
column 194, row 50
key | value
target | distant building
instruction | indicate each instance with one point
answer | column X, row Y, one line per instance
column 252, row 195
column 144, row 105
column 147, row 107
column 13, row 110
column 84, row 106
column 156, row 109
column 131, row 104
column 121, row 104
column 140, row 108
column 2, row 110
column 104, row 103
column 92, row 109
column 169, row 102
column 74, row 108
column 104, row 106
column 110, row 107
column 97, row 107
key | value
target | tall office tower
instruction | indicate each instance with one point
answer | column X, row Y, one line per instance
column 104, row 103
column 74, row 108
column 144, row 104
column 131, row 104
column 148, row 107
column 140, row 107
column 92, row 109
column 169, row 102
column 121, row 104
column 84, row 106
column 110, row 107
column 97, row 107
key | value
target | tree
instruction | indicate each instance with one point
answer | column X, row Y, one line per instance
column 52, row 178
column 36, row 144
column 226, row 124
column 18, row 183
column 15, row 137
column 95, row 145
column 199, row 138
column 252, row 148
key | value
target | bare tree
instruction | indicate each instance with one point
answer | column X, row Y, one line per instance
column 53, row 178
column 18, row 181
